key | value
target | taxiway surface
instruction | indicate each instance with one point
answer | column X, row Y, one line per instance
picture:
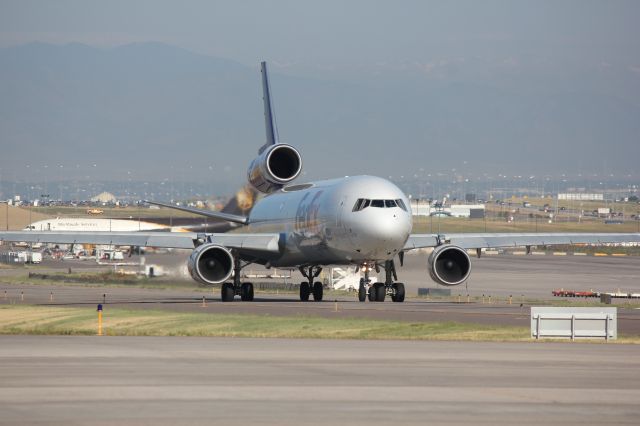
column 523, row 277
column 129, row 380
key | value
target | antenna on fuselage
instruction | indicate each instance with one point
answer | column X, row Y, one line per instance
column 270, row 125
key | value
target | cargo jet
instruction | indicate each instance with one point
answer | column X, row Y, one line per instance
column 361, row 220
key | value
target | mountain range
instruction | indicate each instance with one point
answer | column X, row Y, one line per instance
column 152, row 111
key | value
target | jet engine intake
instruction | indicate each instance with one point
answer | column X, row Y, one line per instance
column 449, row 265
column 274, row 167
column 210, row 264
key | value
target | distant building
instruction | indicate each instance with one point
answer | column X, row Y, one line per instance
column 423, row 208
column 474, row 211
column 95, row 225
column 420, row 207
column 581, row 197
column 105, row 197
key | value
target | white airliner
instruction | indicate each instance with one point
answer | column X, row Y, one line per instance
column 359, row 220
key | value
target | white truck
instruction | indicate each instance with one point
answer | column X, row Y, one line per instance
column 34, row 257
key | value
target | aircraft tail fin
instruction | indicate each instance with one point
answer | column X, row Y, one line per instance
column 269, row 114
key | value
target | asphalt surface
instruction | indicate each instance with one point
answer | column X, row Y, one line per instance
column 130, row 380
column 522, row 277
column 498, row 275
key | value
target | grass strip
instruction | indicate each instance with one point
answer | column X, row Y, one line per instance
column 45, row 320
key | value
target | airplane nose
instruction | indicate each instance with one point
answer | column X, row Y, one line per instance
column 384, row 233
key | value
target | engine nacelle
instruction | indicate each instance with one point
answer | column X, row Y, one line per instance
column 210, row 264
column 274, row 168
column 449, row 265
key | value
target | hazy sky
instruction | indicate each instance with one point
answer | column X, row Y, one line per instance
column 499, row 76
column 343, row 35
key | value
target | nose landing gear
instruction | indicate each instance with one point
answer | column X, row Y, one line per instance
column 376, row 292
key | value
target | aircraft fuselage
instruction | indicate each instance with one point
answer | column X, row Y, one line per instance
column 321, row 224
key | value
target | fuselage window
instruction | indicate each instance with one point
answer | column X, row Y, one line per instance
column 400, row 204
column 390, row 203
column 377, row 203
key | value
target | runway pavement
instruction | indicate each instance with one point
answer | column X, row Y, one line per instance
column 413, row 310
column 129, row 380
column 502, row 275
column 493, row 276
column 534, row 276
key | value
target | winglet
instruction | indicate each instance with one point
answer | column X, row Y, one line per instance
column 269, row 115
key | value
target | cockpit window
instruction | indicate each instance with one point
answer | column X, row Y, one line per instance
column 363, row 203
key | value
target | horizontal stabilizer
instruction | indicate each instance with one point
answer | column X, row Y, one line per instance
column 208, row 213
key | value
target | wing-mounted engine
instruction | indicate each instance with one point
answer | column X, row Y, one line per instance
column 276, row 166
column 210, row 264
column 449, row 265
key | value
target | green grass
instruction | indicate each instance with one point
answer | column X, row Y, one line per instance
column 18, row 319
column 45, row 320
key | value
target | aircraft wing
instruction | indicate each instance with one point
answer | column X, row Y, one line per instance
column 255, row 244
column 487, row 240
column 208, row 213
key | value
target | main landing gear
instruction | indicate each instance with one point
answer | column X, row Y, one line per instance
column 230, row 290
column 378, row 291
column 309, row 287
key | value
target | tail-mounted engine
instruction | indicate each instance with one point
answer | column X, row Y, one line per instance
column 275, row 167
column 449, row 265
column 210, row 264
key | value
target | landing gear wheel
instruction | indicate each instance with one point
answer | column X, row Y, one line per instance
column 317, row 291
column 362, row 292
column 227, row 293
column 398, row 294
column 381, row 292
column 304, row 291
column 373, row 292
column 246, row 292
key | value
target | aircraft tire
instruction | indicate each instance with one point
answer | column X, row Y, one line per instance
column 381, row 292
column 304, row 291
column 373, row 292
column 398, row 295
column 362, row 293
column 227, row 293
column 318, row 291
column 246, row 292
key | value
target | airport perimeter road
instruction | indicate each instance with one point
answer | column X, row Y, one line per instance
column 130, row 380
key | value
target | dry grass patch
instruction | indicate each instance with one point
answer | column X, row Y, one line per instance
column 21, row 319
